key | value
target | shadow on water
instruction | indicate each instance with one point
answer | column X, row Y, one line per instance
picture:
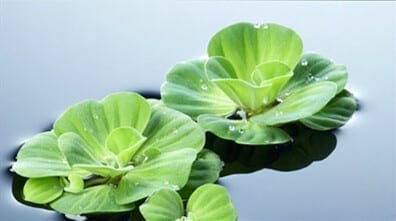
column 307, row 146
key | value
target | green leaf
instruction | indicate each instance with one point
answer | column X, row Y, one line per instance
column 205, row 169
column 126, row 109
column 86, row 119
column 91, row 200
column 245, row 95
column 171, row 130
column 80, row 156
column 164, row 205
column 124, row 142
column 42, row 190
column 167, row 170
column 300, row 104
column 188, row 89
column 211, row 202
column 75, row 183
column 275, row 73
column 314, row 68
column 41, row 157
column 335, row 114
column 219, row 68
column 246, row 45
column 243, row 131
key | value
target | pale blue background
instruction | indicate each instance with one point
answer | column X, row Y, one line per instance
column 56, row 53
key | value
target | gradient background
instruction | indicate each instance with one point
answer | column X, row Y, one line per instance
column 56, row 53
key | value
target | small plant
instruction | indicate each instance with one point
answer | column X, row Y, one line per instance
column 255, row 80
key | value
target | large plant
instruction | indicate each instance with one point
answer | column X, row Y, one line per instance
column 255, row 80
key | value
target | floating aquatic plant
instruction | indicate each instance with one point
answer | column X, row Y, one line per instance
column 255, row 80
column 208, row 202
column 104, row 156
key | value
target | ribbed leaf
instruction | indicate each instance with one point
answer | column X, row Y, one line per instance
column 164, row 205
column 335, row 114
column 41, row 157
column 211, row 202
column 167, row 170
column 42, row 190
column 300, row 104
column 247, row 45
column 314, row 68
column 245, row 95
column 187, row 89
column 243, row 131
column 98, row 198
column 219, row 68
column 171, row 130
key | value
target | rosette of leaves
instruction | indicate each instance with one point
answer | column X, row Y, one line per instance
column 255, row 80
column 208, row 202
column 104, row 156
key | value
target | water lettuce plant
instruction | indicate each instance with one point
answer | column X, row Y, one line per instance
column 208, row 202
column 255, row 79
column 104, row 156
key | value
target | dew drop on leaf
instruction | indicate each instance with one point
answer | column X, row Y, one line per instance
column 204, row 87
column 278, row 113
column 241, row 131
column 304, row 62
column 175, row 131
column 231, row 128
column 85, row 129
column 96, row 116
column 265, row 26
column 257, row 25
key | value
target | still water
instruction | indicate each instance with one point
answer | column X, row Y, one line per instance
column 54, row 54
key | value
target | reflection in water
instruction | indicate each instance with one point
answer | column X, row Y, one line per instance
column 307, row 146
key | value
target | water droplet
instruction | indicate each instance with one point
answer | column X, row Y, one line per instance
column 96, row 116
column 231, row 128
column 137, row 184
column 241, row 131
column 166, row 182
column 175, row 187
column 85, row 129
column 145, row 158
column 257, row 25
column 175, row 131
column 310, row 77
column 279, row 100
column 326, row 78
column 278, row 113
column 304, row 62
column 204, row 87
column 265, row 26
column 12, row 168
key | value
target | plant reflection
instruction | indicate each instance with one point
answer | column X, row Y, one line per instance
column 307, row 146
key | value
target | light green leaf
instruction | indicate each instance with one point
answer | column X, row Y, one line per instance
column 211, row 202
column 205, row 169
column 124, row 142
column 171, row 130
column 164, row 205
column 41, row 157
column 98, row 198
column 75, row 183
column 42, row 190
column 314, row 68
column 219, row 68
column 243, row 131
column 126, row 109
column 246, row 45
column 335, row 114
column 167, row 170
column 86, row 119
column 245, row 95
column 274, row 73
column 300, row 104
column 187, row 89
